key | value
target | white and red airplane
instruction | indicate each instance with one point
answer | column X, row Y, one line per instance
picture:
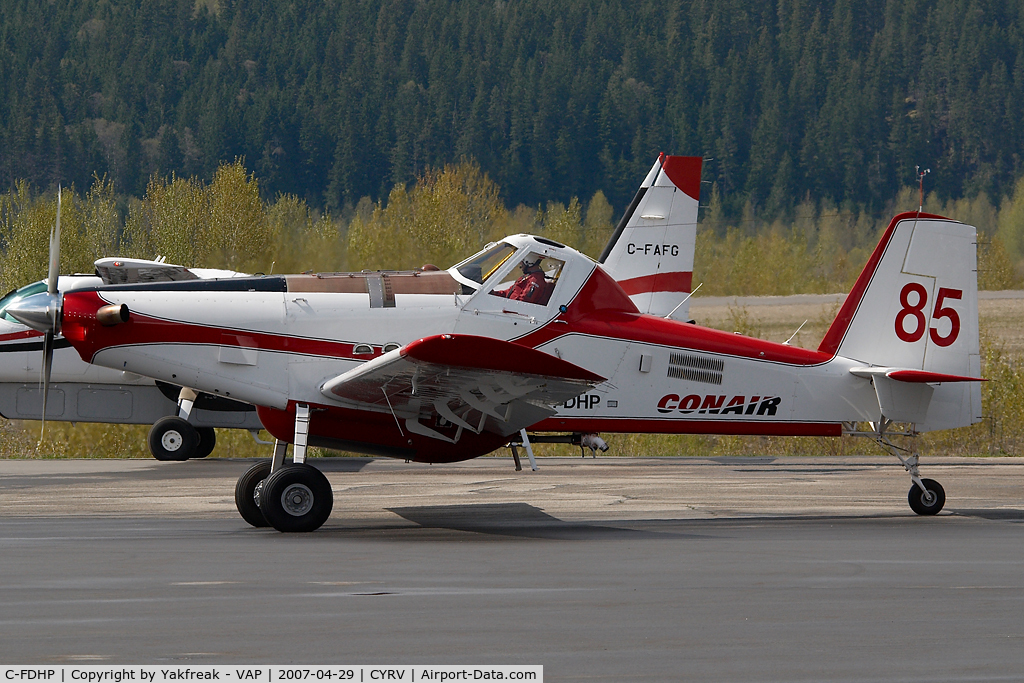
column 529, row 334
column 183, row 428
column 657, row 275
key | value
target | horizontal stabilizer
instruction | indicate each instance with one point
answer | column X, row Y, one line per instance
column 913, row 376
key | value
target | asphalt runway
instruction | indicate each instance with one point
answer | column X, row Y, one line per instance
column 614, row 569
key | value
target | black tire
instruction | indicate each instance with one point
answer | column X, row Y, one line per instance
column 296, row 498
column 172, row 438
column 245, row 494
column 207, row 441
column 924, row 504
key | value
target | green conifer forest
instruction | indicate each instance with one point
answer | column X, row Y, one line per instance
column 334, row 100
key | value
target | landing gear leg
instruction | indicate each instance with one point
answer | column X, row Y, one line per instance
column 297, row 497
column 529, row 449
column 926, row 496
column 301, row 433
column 280, row 448
column 524, row 441
column 186, row 399
column 515, row 456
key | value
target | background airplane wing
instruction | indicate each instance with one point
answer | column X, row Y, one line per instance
column 439, row 386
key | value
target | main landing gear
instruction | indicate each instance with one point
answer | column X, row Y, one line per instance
column 292, row 497
column 926, row 496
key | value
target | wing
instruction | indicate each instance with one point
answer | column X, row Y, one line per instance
column 455, row 382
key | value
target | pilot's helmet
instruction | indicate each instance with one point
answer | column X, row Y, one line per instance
column 529, row 266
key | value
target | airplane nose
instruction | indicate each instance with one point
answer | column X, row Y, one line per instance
column 39, row 311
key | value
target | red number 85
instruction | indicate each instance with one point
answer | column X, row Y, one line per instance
column 916, row 311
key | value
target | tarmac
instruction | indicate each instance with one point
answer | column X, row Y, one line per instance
column 607, row 569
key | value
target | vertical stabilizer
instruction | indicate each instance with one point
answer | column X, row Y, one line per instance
column 651, row 252
column 912, row 319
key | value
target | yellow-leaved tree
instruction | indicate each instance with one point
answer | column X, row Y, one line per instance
column 89, row 229
column 447, row 215
column 220, row 225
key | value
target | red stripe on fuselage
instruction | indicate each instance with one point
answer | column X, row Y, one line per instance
column 23, row 334
column 682, row 426
column 89, row 337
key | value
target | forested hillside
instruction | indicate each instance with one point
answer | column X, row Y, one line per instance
column 334, row 100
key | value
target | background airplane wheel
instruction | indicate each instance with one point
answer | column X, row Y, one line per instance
column 296, row 498
column 207, row 441
column 173, row 438
column 924, row 504
column 245, row 490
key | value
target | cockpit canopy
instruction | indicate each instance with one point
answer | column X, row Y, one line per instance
column 528, row 272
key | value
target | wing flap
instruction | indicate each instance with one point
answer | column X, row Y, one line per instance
column 445, row 384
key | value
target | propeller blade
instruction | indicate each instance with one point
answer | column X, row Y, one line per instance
column 54, row 271
column 47, row 364
column 52, row 310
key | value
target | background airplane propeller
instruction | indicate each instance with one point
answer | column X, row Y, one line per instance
column 42, row 311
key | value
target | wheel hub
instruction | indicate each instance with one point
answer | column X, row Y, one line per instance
column 171, row 440
column 297, row 500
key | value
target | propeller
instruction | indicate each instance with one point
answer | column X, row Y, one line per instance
column 42, row 312
column 51, row 289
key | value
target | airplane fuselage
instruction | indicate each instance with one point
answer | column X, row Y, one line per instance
column 274, row 341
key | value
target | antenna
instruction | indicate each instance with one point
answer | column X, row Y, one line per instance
column 796, row 333
column 685, row 299
column 920, row 184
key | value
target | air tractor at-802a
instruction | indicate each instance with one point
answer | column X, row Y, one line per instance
column 529, row 336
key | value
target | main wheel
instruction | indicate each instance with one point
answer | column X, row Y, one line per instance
column 207, row 441
column 929, row 501
column 296, row 498
column 245, row 493
column 172, row 438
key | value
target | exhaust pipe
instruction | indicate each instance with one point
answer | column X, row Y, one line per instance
column 111, row 315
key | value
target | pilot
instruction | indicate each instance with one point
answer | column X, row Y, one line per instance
column 531, row 287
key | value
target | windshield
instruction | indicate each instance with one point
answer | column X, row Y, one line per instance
column 533, row 281
column 484, row 264
column 18, row 295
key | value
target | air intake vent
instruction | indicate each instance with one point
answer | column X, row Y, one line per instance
column 695, row 368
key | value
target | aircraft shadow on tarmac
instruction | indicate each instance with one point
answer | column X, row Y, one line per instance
column 517, row 519
column 993, row 515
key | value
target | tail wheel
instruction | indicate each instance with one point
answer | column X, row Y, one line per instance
column 930, row 500
column 207, row 441
column 296, row 498
column 172, row 438
column 246, row 491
